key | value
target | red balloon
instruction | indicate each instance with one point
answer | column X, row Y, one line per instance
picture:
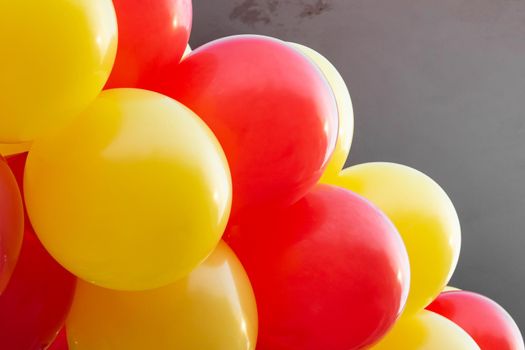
column 330, row 272
column 270, row 108
column 37, row 299
column 17, row 164
column 11, row 223
column 483, row 319
column 34, row 306
column 60, row 342
column 152, row 36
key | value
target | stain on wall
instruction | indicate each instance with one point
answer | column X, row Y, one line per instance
column 254, row 12
column 315, row 9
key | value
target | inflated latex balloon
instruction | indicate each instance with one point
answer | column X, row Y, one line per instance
column 57, row 57
column 11, row 223
column 426, row 331
column 450, row 289
column 211, row 309
column 344, row 108
column 133, row 195
column 60, row 342
column 271, row 109
column 329, row 272
column 424, row 216
column 152, row 38
column 487, row 323
column 7, row 149
column 17, row 165
column 37, row 299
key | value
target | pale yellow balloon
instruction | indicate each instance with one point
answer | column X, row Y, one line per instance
column 211, row 309
column 133, row 195
column 426, row 331
column 344, row 107
column 8, row 149
column 451, row 289
column 424, row 216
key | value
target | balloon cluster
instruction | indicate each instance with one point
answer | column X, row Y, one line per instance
column 154, row 201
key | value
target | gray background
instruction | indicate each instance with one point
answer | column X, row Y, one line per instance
column 438, row 85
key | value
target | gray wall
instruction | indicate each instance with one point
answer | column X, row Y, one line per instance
column 438, row 85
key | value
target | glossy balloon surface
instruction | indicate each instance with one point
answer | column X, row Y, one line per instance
column 424, row 216
column 11, row 223
column 7, row 149
column 271, row 109
column 487, row 323
column 330, row 272
column 131, row 196
column 344, row 108
column 17, row 165
column 152, row 38
column 60, row 342
column 426, row 331
column 213, row 309
column 37, row 299
column 57, row 56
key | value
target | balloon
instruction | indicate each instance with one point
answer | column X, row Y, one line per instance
column 57, row 57
column 17, row 165
column 131, row 196
column 152, row 39
column 450, row 289
column 424, row 216
column 271, row 109
column 487, row 323
column 37, row 299
column 344, row 107
column 426, row 331
column 54, row 295
column 11, row 223
column 211, row 309
column 60, row 342
column 7, row 149
column 329, row 272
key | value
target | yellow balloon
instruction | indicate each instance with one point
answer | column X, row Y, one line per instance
column 211, row 309
column 424, row 216
column 426, row 331
column 344, row 107
column 7, row 149
column 56, row 57
column 133, row 195
column 450, row 289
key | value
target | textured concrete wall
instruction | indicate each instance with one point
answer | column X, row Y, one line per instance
column 438, row 85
